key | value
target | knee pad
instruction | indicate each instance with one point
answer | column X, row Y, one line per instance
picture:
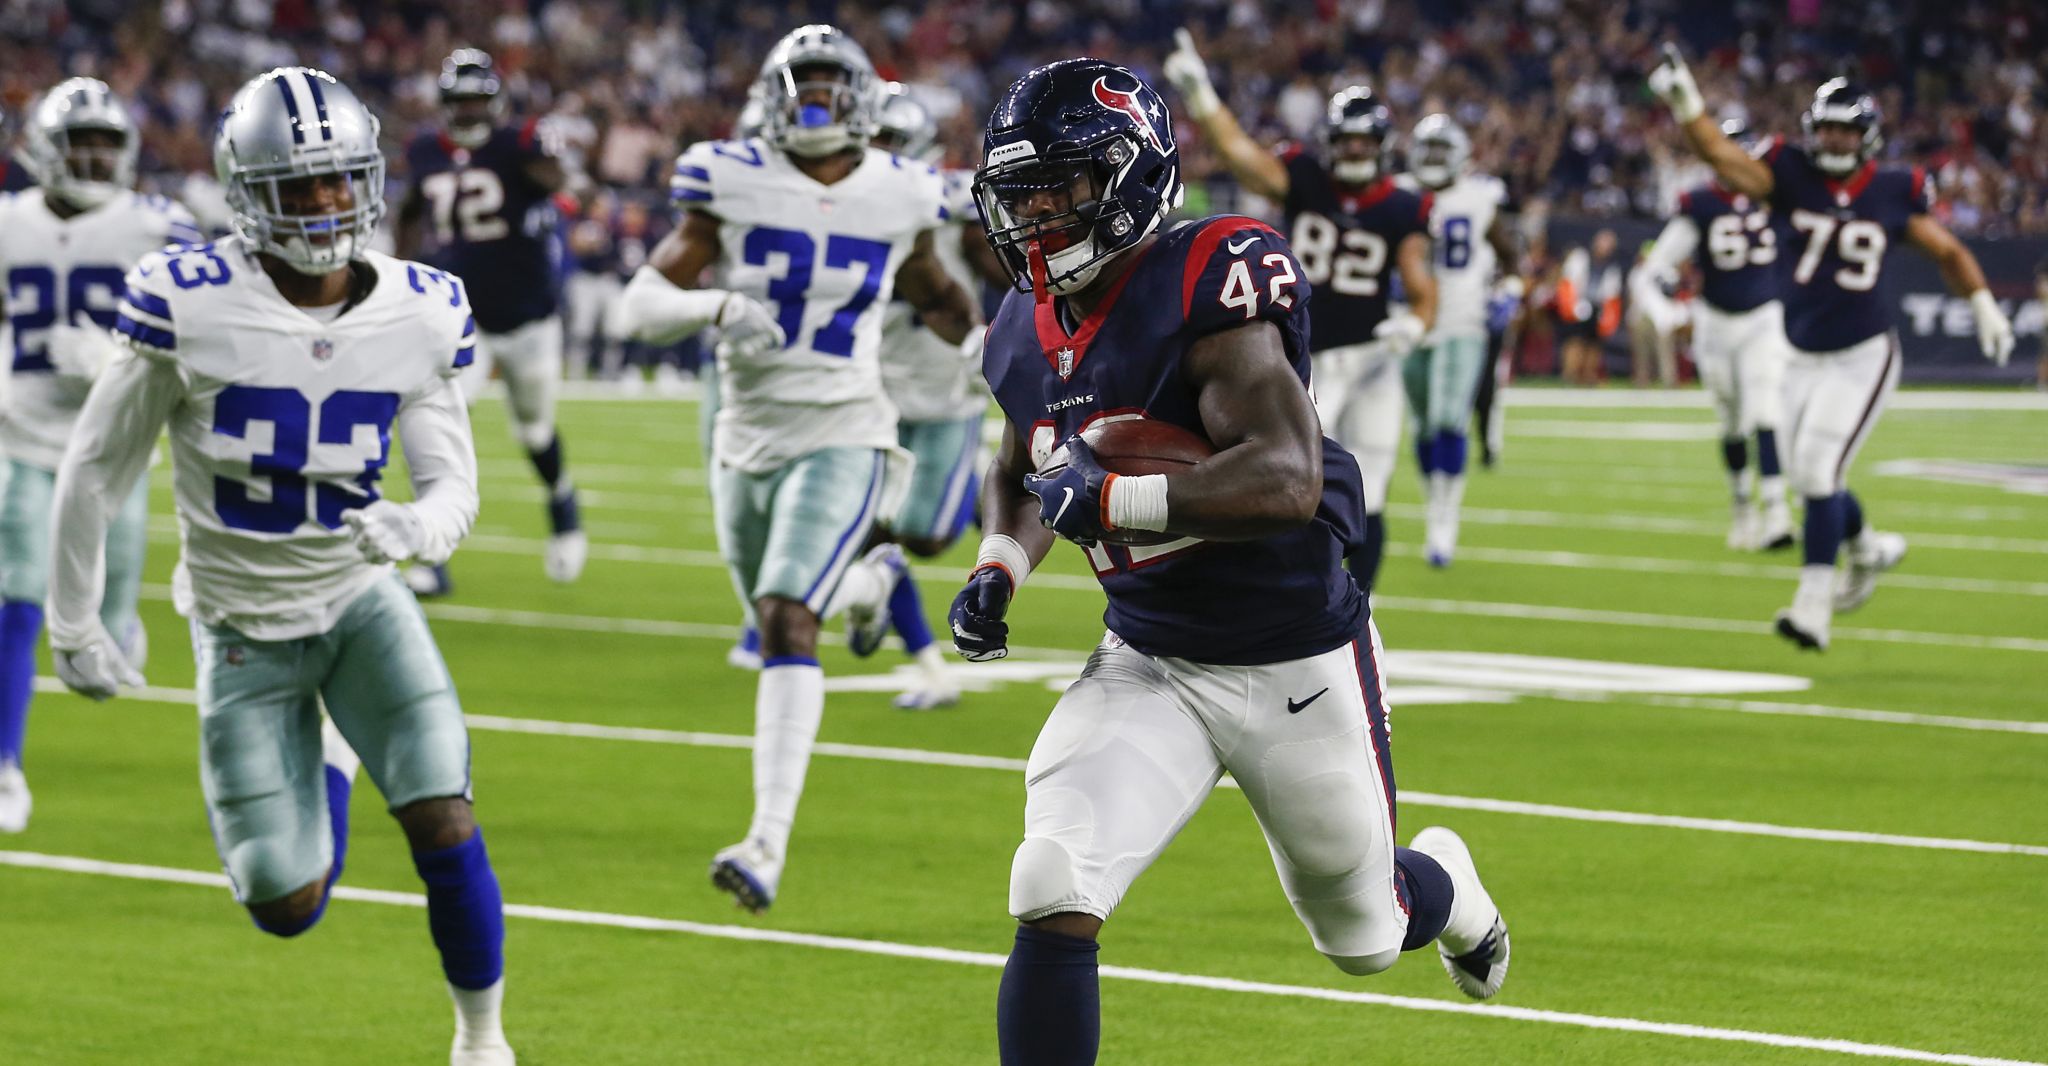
column 534, row 436
column 1812, row 469
column 270, row 868
column 1042, row 880
column 1365, row 965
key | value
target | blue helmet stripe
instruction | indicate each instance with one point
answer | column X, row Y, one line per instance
column 291, row 107
column 320, row 107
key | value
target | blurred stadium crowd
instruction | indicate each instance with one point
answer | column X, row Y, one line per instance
column 1559, row 111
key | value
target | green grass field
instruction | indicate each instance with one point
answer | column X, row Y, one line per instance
column 1700, row 865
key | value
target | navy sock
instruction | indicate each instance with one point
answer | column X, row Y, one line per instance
column 465, row 912
column 1767, row 453
column 1425, row 453
column 1450, row 452
column 1425, row 890
column 563, row 514
column 1049, row 1009
column 20, row 624
column 1852, row 515
column 1365, row 562
column 1823, row 529
column 906, row 614
column 1734, row 453
column 547, row 462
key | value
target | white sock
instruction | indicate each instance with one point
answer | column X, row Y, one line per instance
column 1816, row 585
column 335, row 752
column 788, row 705
column 1452, row 499
column 1772, row 490
column 864, row 584
column 477, row 1011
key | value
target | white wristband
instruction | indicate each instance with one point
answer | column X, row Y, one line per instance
column 1137, row 502
column 1001, row 549
column 653, row 309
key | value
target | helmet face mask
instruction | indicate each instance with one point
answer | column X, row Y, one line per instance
column 1079, row 166
column 298, row 156
column 470, row 102
column 82, row 144
column 818, row 93
column 1441, row 150
column 904, row 127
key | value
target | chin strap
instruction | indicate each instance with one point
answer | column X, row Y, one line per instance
column 1041, row 278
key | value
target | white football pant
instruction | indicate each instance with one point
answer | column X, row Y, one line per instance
column 1741, row 359
column 1832, row 400
column 1359, row 397
column 530, row 360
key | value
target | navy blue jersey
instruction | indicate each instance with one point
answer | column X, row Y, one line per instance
column 493, row 225
column 1236, row 603
column 1347, row 238
column 1835, row 235
column 1738, row 248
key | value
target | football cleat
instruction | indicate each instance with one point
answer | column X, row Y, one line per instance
column 494, row 1052
column 1743, row 529
column 1878, row 552
column 868, row 623
column 1775, row 531
column 745, row 653
column 1437, row 558
column 1807, row 628
column 429, row 582
column 1474, row 943
column 14, row 799
column 565, row 555
column 927, row 696
column 749, row 871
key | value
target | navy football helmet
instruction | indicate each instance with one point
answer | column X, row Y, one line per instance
column 1356, row 111
column 1840, row 103
column 1095, row 132
column 469, row 96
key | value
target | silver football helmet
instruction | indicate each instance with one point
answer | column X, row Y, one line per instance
column 1439, row 151
column 903, row 126
column 84, row 176
column 287, row 126
column 819, row 115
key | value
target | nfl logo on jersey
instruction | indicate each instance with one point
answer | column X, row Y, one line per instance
column 323, row 350
column 1066, row 363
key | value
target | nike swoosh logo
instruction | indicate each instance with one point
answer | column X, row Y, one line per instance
column 1064, row 501
column 1295, row 708
column 1241, row 245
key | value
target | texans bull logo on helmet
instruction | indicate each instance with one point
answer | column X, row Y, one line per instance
column 1126, row 101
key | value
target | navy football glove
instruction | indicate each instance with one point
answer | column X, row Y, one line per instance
column 1070, row 494
column 979, row 632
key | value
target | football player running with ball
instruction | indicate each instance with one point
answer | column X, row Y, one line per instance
column 1237, row 640
column 1352, row 228
column 283, row 359
column 812, row 230
column 1839, row 212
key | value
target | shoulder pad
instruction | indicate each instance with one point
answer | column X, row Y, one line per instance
column 449, row 299
column 692, row 183
column 1237, row 270
column 145, row 318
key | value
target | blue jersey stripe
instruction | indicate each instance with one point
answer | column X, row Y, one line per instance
column 291, row 107
column 686, row 171
column 469, row 327
column 465, row 355
column 150, row 335
column 691, row 195
column 184, row 235
column 148, row 303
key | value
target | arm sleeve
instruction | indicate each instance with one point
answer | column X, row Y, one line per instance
column 1681, row 237
column 433, row 427
column 109, row 449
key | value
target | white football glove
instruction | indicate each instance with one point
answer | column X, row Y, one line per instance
column 1994, row 330
column 1190, row 75
column 971, row 345
column 746, row 328
column 1400, row 332
column 385, row 532
column 81, row 352
column 1672, row 82
column 94, row 668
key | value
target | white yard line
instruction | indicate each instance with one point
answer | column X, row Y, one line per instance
column 1668, row 524
column 137, row 872
column 1904, row 400
column 919, row 756
column 1781, row 573
column 1810, row 710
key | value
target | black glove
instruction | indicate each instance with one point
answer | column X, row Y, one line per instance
column 979, row 633
column 1070, row 494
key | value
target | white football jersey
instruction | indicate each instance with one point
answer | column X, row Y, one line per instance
column 283, row 421
column 1462, row 258
column 926, row 378
column 823, row 259
column 67, row 270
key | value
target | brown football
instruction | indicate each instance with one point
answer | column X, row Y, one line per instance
column 1144, row 446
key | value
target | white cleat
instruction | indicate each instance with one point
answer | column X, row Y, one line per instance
column 1743, row 529
column 1474, row 943
column 428, row 582
column 1806, row 624
column 15, row 801
column 565, row 556
column 749, row 871
column 1879, row 552
column 927, row 696
column 482, row 1053
column 745, row 653
column 1775, row 531
column 867, row 624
